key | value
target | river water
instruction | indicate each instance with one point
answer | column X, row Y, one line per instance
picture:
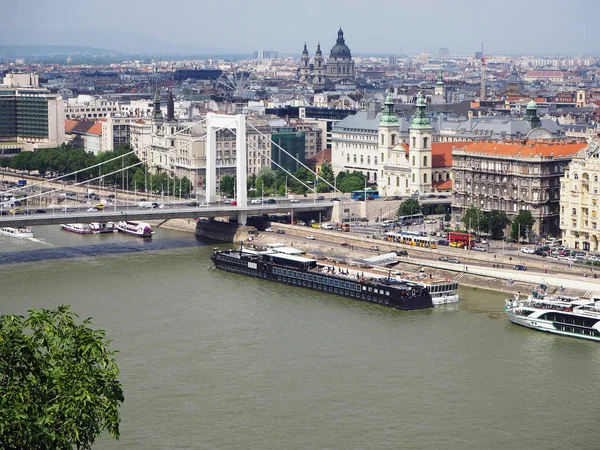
column 212, row 360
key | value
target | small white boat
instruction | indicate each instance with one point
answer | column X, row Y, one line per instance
column 140, row 229
column 78, row 228
column 108, row 227
column 19, row 233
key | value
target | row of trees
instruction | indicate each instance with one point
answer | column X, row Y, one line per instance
column 126, row 172
column 493, row 222
column 275, row 182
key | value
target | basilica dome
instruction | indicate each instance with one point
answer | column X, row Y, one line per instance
column 340, row 49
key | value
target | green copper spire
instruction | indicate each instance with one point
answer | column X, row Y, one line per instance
column 388, row 117
column 157, row 113
column 440, row 81
column 420, row 119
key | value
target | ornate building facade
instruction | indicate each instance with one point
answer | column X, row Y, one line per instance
column 580, row 200
column 512, row 176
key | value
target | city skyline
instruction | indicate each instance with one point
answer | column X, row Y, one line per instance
column 511, row 28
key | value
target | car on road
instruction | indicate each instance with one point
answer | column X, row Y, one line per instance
column 479, row 248
column 233, row 202
column 431, row 196
column 294, row 200
column 443, row 258
column 519, row 267
column 143, row 199
column 311, row 237
column 453, row 260
column 321, row 197
column 70, row 210
column 400, row 252
column 334, row 199
column 192, row 204
column 280, row 232
column 431, row 221
column 256, row 201
column 442, row 196
column 269, row 230
column 40, row 211
column 442, row 242
column 396, row 197
column 528, row 250
column 301, row 223
column 91, row 210
column 374, row 247
column 345, row 244
column 370, row 197
column 99, row 206
column 16, row 211
column 270, row 201
column 112, row 196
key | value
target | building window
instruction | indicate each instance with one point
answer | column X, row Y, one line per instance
column 447, row 176
column 393, row 139
column 348, row 157
column 425, row 160
column 375, row 160
column 382, row 139
column 414, row 142
column 425, row 142
column 575, row 176
column 574, row 212
column 413, row 160
column 424, row 178
column 355, row 159
column 397, row 181
column 362, row 159
column 413, row 177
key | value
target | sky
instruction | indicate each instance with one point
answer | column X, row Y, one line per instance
column 507, row 27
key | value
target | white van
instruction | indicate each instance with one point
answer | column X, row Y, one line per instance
column 148, row 205
column 328, row 226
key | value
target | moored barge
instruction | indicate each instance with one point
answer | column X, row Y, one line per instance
column 308, row 273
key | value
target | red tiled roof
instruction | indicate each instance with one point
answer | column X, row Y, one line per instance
column 441, row 153
column 320, row 157
column 445, row 185
column 95, row 129
column 70, row 124
column 517, row 148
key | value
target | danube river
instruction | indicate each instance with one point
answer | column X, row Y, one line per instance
column 212, row 360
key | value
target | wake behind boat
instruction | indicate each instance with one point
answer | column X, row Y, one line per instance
column 558, row 314
column 78, row 228
column 19, row 233
column 140, row 229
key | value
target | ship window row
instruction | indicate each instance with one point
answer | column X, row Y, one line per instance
column 568, row 319
column 334, row 290
column 326, row 281
column 443, row 288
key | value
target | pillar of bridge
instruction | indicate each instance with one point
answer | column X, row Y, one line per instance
column 238, row 124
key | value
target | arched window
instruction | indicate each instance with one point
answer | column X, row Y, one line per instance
column 348, row 157
column 576, row 176
column 362, row 159
column 595, row 178
column 355, row 158
column 425, row 161
column 424, row 178
column 425, row 141
column 368, row 160
column 382, row 139
column 414, row 142
column 393, row 139
column 413, row 160
column 375, row 160
column 413, row 177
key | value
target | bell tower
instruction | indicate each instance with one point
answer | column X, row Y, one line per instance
column 319, row 70
column 304, row 65
column 419, row 153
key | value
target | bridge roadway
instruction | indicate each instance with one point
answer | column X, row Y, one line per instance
column 57, row 216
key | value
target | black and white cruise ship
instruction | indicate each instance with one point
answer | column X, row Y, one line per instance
column 308, row 273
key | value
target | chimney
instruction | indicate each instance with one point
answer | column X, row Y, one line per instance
column 373, row 108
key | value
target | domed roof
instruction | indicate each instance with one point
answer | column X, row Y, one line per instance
column 340, row 49
column 532, row 105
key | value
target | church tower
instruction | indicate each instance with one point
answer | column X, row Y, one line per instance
column 157, row 117
column 304, row 66
column 531, row 115
column 440, row 89
column 170, row 106
column 319, row 71
column 419, row 152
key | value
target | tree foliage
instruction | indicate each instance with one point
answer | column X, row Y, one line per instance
column 473, row 219
column 326, row 174
column 495, row 222
column 522, row 225
column 58, row 384
column 409, row 207
column 227, row 185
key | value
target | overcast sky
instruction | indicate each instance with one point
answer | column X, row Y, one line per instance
column 504, row 27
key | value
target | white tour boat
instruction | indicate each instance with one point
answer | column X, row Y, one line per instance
column 567, row 316
column 140, row 229
column 78, row 228
column 19, row 233
column 108, row 227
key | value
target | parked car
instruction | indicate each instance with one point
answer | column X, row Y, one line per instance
column 519, row 267
column 269, row 230
column 311, row 237
column 301, row 223
column 280, row 232
column 528, row 250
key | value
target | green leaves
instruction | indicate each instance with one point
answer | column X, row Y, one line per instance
column 409, row 207
column 58, row 382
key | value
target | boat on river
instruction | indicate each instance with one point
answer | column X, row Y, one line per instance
column 140, row 229
column 108, row 227
column 78, row 228
column 19, row 233
column 308, row 273
column 557, row 314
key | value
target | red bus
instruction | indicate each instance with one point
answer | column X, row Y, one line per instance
column 456, row 239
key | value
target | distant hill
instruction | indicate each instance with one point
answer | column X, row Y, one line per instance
column 30, row 51
column 125, row 42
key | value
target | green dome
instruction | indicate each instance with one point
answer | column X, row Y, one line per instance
column 388, row 117
column 532, row 105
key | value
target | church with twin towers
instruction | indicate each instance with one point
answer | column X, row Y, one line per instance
column 321, row 75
